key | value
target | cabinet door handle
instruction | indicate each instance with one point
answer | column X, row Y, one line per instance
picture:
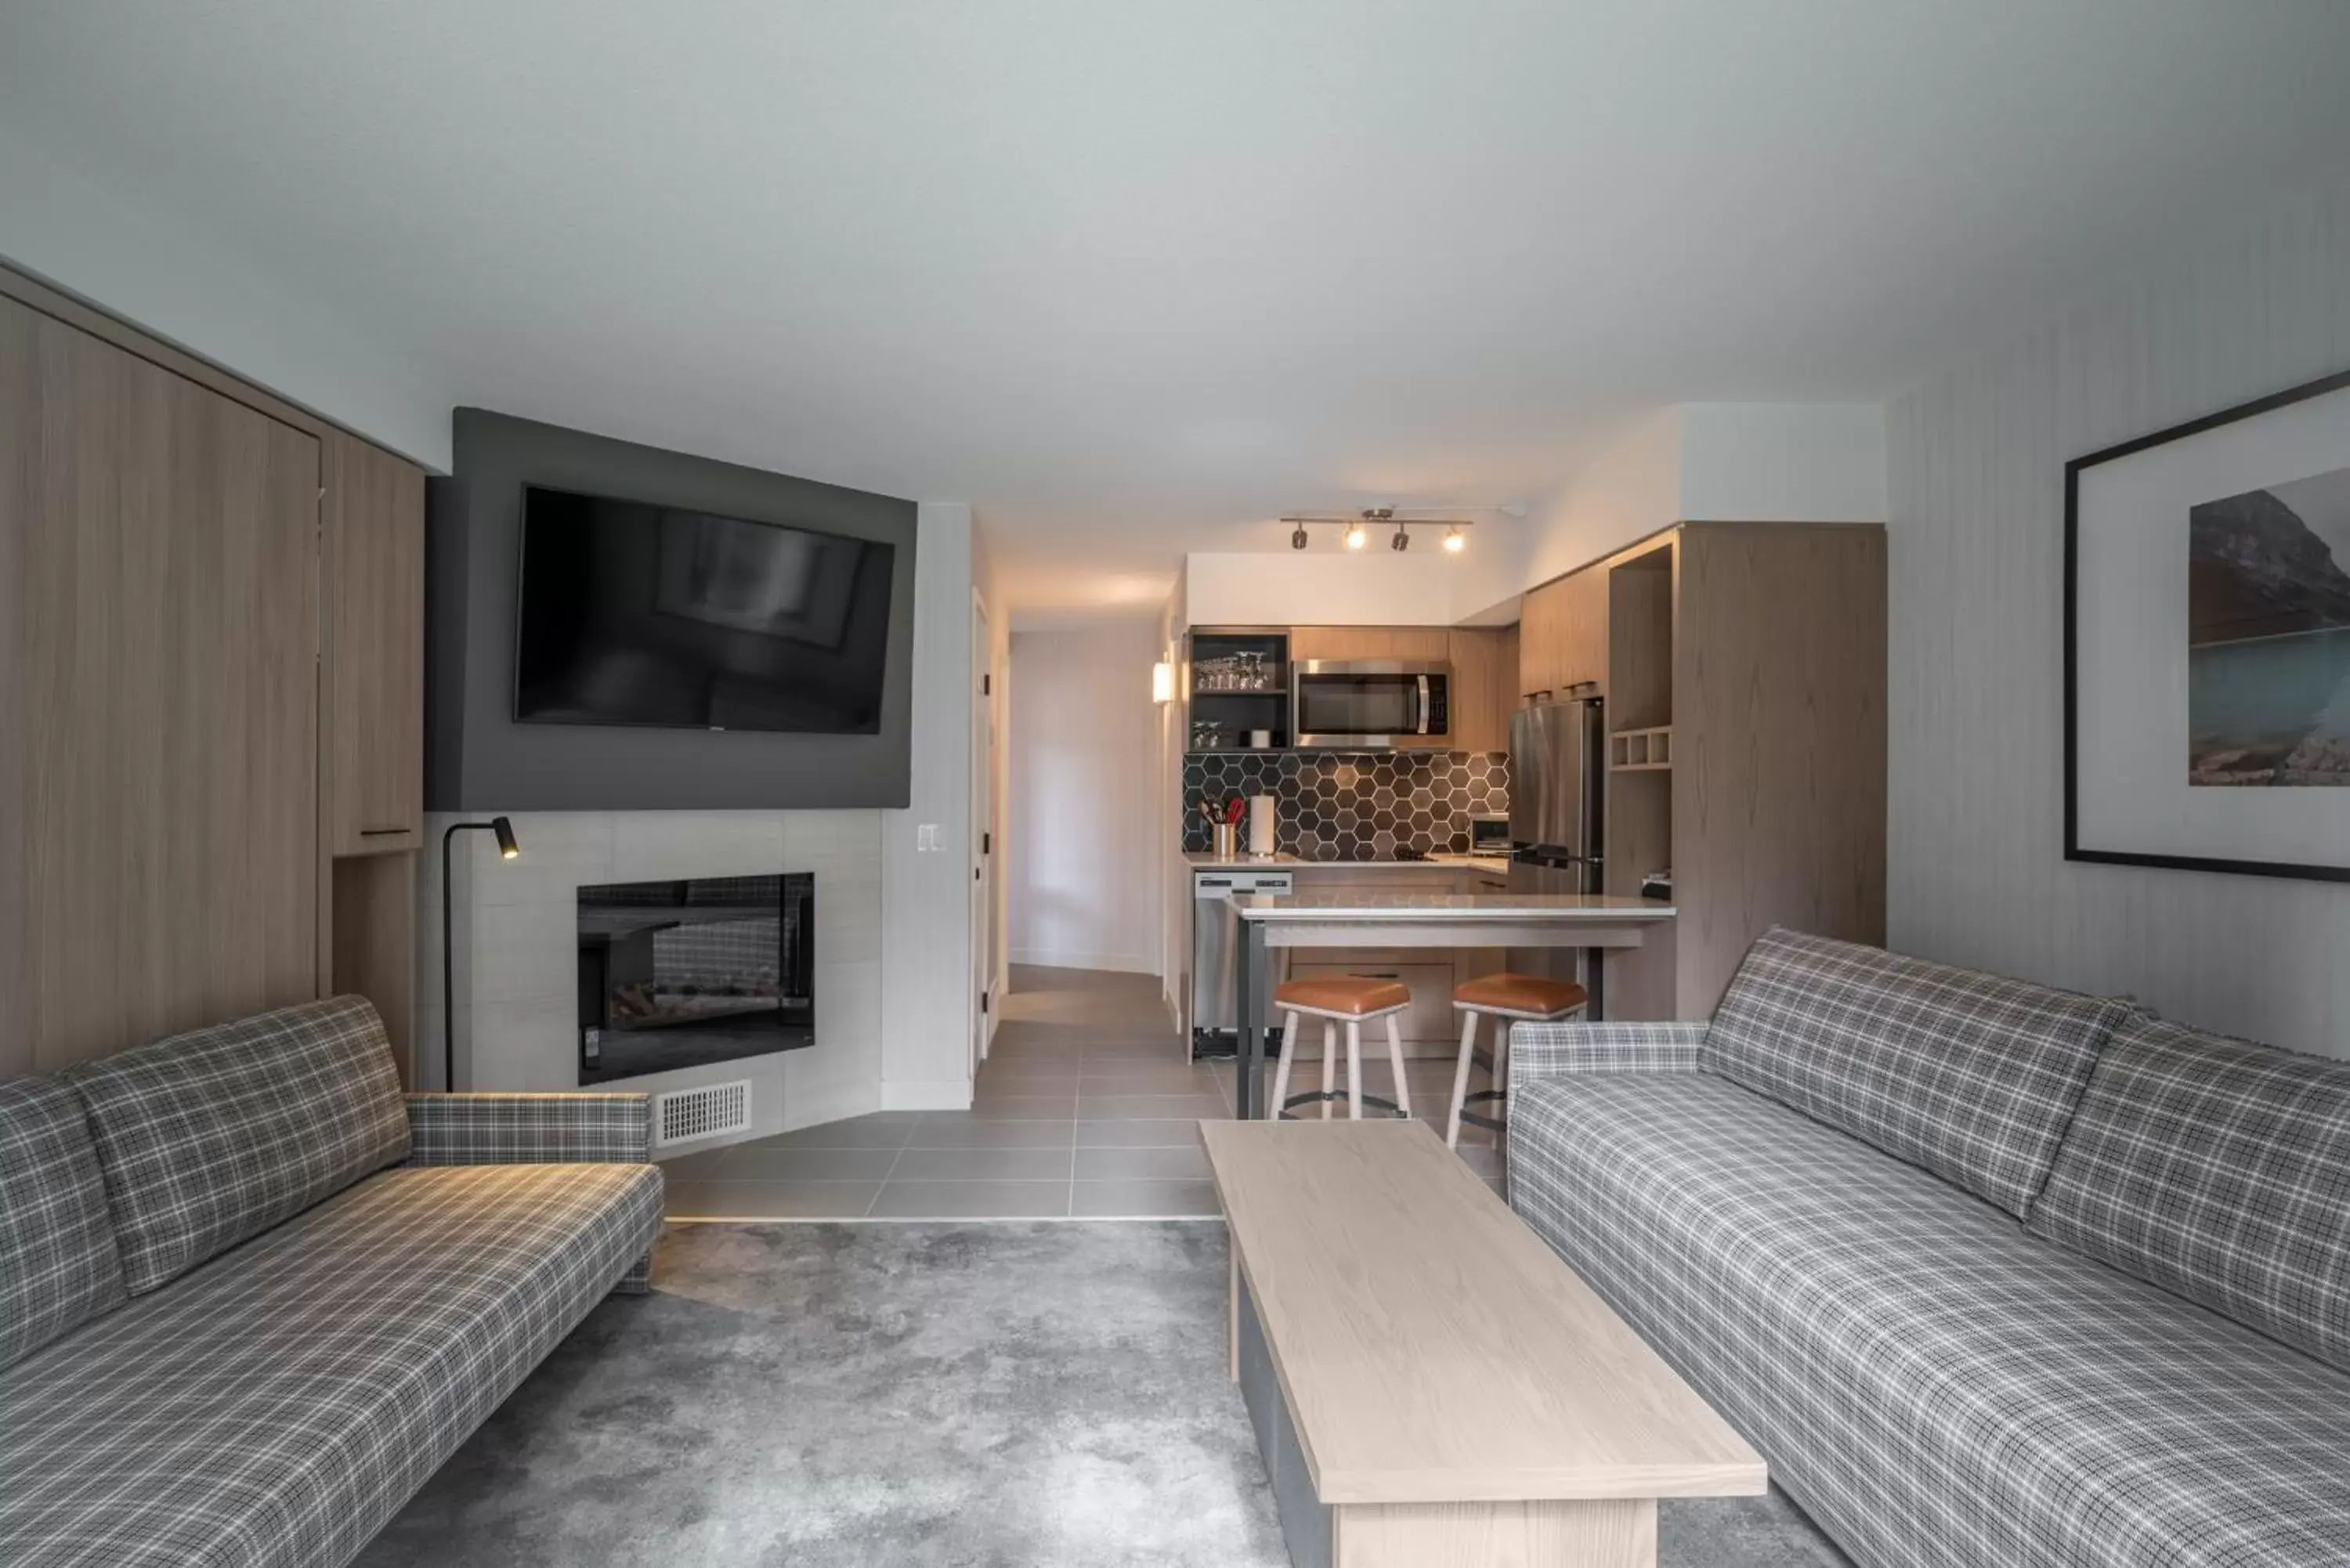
column 383, row 832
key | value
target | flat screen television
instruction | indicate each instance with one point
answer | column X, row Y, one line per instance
column 636, row 614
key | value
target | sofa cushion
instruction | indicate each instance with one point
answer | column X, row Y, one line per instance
column 278, row 1406
column 2218, row 1169
column 1971, row 1076
column 210, row 1137
column 1939, row 1389
column 57, row 1261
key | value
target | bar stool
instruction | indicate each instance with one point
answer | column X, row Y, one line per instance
column 1512, row 999
column 1353, row 1001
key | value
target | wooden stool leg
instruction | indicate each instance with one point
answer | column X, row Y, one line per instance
column 1460, row 1077
column 1281, row 1068
column 1354, row 1070
column 1395, row 1063
column 1329, row 1062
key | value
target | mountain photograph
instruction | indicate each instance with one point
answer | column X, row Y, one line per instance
column 2268, row 612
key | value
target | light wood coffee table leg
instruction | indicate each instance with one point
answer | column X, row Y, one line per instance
column 1233, row 1321
column 1614, row 1533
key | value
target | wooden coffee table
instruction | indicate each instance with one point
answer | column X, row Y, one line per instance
column 1430, row 1384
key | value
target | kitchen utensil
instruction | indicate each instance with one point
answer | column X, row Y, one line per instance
column 1234, row 809
column 1228, row 841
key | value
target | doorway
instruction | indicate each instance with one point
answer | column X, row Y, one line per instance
column 983, row 833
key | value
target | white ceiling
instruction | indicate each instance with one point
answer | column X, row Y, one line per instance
column 1131, row 278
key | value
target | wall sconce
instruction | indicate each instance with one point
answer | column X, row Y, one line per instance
column 1162, row 682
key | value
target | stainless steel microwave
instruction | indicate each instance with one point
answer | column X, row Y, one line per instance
column 1353, row 703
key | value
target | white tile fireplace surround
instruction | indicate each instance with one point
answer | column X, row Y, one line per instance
column 517, row 949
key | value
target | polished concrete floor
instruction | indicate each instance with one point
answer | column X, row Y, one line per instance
column 1085, row 1108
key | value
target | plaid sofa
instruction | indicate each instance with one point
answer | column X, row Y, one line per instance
column 252, row 1296
column 1994, row 1276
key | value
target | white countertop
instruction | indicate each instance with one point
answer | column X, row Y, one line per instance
column 1466, row 907
column 1200, row 861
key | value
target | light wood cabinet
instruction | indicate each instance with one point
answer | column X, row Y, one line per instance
column 1422, row 643
column 211, row 678
column 158, row 795
column 1747, row 682
column 1562, row 633
column 374, row 552
column 1484, row 689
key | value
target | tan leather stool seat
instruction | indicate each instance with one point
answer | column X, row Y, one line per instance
column 1350, row 996
column 1507, row 992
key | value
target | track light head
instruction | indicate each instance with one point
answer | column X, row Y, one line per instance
column 1455, row 541
column 1297, row 537
column 1401, row 541
column 1355, row 537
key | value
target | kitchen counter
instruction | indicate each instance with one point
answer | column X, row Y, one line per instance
column 1365, row 915
column 1421, row 908
column 1200, row 860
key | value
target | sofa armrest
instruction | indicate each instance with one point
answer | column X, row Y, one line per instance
column 1553, row 1050
column 530, row 1129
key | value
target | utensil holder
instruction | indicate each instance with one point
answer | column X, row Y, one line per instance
column 1228, row 841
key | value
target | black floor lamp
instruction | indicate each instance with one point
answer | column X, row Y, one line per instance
column 507, row 849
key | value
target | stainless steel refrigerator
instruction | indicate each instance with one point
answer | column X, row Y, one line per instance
column 1558, row 760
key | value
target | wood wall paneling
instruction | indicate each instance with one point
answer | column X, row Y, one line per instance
column 1779, row 746
column 160, row 672
column 375, row 653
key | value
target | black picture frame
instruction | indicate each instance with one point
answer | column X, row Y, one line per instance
column 2072, row 472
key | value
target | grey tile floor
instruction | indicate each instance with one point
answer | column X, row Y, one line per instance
column 1085, row 1108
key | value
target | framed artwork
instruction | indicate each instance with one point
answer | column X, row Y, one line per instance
column 2206, row 642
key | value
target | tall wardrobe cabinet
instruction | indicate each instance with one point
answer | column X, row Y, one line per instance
column 210, row 607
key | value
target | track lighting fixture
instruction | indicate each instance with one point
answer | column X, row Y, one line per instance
column 1355, row 528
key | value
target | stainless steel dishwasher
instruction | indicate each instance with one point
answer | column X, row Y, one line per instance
column 1215, row 942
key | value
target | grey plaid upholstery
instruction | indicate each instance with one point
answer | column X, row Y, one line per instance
column 515, row 1129
column 563, row 1128
column 1547, row 1050
column 1972, row 1076
column 276, row 1406
column 210, row 1137
column 1939, row 1389
column 57, row 1261
column 2218, row 1169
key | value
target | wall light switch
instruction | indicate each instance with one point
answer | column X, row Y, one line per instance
column 926, row 838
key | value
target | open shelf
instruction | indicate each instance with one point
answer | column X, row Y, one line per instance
column 1641, row 751
column 1231, row 711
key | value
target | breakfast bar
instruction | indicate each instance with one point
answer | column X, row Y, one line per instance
column 1590, row 922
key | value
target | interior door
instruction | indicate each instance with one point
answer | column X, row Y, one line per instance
column 158, row 686
column 983, row 837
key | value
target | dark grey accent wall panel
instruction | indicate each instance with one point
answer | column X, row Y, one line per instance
column 478, row 758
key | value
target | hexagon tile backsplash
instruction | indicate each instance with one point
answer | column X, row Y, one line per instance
column 1353, row 805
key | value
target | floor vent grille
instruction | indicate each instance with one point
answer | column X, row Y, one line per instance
column 681, row 1115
